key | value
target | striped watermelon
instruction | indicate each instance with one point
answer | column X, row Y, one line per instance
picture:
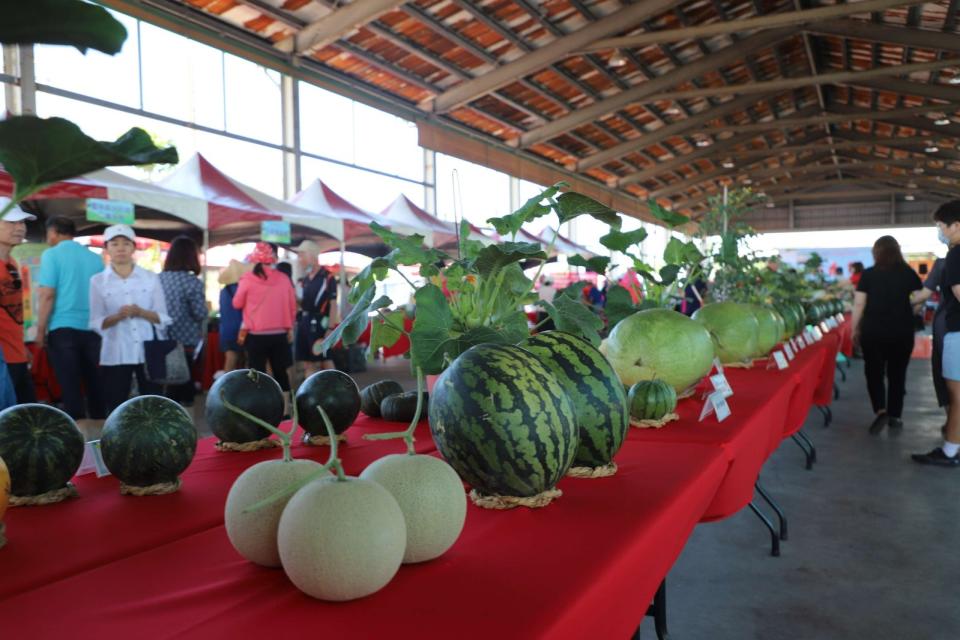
column 148, row 440
column 652, row 400
column 503, row 421
column 42, row 447
column 598, row 397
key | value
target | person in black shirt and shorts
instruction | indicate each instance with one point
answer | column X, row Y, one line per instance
column 948, row 228
column 317, row 290
column 883, row 326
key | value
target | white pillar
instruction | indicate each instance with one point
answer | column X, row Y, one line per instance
column 430, row 178
column 290, row 113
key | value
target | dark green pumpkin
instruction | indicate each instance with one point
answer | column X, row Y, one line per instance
column 401, row 407
column 372, row 396
column 148, row 440
column 254, row 392
column 42, row 447
column 651, row 400
column 336, row 392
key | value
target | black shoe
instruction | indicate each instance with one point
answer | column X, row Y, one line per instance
column 878, row 424
column 895, row 424
column 937, row 457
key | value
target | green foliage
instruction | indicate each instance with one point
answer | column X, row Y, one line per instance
column 572, row 316
column 67, row 22
column 666, row 216
column 534, row 208
column 596, row 264
column 622, row 241
column 572, row 205
column 37, row 152
column 619, row 305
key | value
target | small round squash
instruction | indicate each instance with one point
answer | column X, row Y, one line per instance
column 341, row 539
column 431, row 496
column 254, row 535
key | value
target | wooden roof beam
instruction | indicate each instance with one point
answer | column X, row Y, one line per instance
column 641, row 93
column 845, row 144
column 769, row 21
column 876, row 32
column 919, row 89
column 547, row 54
column 335, row 25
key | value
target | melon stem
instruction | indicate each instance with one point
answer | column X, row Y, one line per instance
column 406, row 434
column 333, row 462
column 283, row 436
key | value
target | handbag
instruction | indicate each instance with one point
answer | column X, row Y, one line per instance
column 166, row 361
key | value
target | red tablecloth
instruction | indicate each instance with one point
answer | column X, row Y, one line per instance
column 846, row 336
column 586, row 566
column 832, row 342
column 807, row 368
column 51, row 542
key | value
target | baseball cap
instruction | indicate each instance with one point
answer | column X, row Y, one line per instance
column 16, row 214
column 117, row 230
column 308, row 246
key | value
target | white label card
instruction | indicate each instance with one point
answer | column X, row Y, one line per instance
column 817, row 334
column 715, row 403
column 718, row 365
column 780, row 359
column 788, row 351
column 824, row 327
column 721, row 385
column 800, row 343
column 93, row 460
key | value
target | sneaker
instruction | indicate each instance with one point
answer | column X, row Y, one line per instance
column 878, row 424
column 895, row 424
column 937, row 457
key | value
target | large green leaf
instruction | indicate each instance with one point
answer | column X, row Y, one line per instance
column 509, row 225
column 597, row 264
column 664, row 215
column 682, row 253
column 386, row 333
column 572, row 205
column 356, row 321
column 431, row 329
column 38, row 152
column 406, row 250
column 68, row 22
column 574, row 290
column 669, row 273
column 574, row 317
column 619, row 305
column 368, row 277
column 497, row 256
column 622, row 240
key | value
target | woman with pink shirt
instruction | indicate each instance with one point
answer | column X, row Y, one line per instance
column 269, row 305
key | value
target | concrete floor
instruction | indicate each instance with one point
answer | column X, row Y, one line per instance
column 869, row 553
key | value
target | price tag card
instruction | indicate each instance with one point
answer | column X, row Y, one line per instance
column 798, row 341
column 824, row 327
column 839, row 318
column 780, row 359
column 817, row 334
column 715, row 403
column 789, row 351
column 92, row 461
column 718, row 365
column 721, row 385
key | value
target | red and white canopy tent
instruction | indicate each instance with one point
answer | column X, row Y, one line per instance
column 321, row 202
column 159, row 212
column 404, row 216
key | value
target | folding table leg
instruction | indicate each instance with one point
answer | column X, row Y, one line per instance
column 806, row 451
column 776, row 508
column 843, row 374
column 827, row 415
column 658, row 611
column 774, row 538
column 836, row 391
column 806, row 439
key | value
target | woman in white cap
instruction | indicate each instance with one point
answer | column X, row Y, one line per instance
column 127, row 305
column 318, row 294
column 13, row 348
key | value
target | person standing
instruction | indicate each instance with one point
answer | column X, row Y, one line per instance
column 269, row 307
column 883, row 326
column 126, row 308
column 63, row 319
column 933, row 284
column 318, row 294
column 948, row 227
column 230, row 318
column 13, row 231
column 187, row 307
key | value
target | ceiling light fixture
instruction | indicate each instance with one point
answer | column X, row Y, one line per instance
column 771, row 204
column 918, row 170
column 703, row 142
column 617, row 59
column 727, row 164
column 942, row 122
column 911, row 185
column 747, row 181
column 954, row 80
column 931, row 147
column 909, row 197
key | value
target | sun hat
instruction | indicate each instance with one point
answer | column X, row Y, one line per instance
column 16, row 214
column 118, row 230
column 262, row 254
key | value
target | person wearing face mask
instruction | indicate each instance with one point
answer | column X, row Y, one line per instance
column 318, row 295
column 13, row 231
column 931, row 285
column 948, row 229
column 883, row 327
column 127, row 306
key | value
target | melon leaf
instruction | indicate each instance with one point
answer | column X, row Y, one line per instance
column 356, row 321
column 431, row 329
column 619, row 305
column 386, row 332
column 622, row 240
column 571, row 316
column 492, row 259
column 597, row 264
column 572, row 205
column 664, row 215
column 67, row 22
column 532, row 209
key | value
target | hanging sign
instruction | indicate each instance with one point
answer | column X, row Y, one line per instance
column 780, row 359
column 276, row 231
column 715, row 403
column 110, row 211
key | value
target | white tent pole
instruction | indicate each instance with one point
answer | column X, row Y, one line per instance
column 342, row 298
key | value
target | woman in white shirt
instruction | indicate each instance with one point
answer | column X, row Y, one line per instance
column 126, row 307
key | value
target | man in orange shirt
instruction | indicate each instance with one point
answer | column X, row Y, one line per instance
column 13, row 231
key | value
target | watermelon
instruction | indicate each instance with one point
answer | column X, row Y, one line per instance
column 652, row 400
column 373, row 395
column 254, row 392
column 4, row 488
column 503, row 421
column 770, row 330
column 598, row 397
column 333, row 390
column 733, row 329
column 148, row 440
column 41, row 446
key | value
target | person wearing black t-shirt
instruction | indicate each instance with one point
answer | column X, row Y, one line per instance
column 948, row 228
column 317, row 290
column 883, row 326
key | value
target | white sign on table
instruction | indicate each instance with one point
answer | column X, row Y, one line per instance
column 817, row 334
column 780, row 359
column 789, row 351
column 824, row 327
column 715, row 403
column 721, row 385
column 92, row 461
